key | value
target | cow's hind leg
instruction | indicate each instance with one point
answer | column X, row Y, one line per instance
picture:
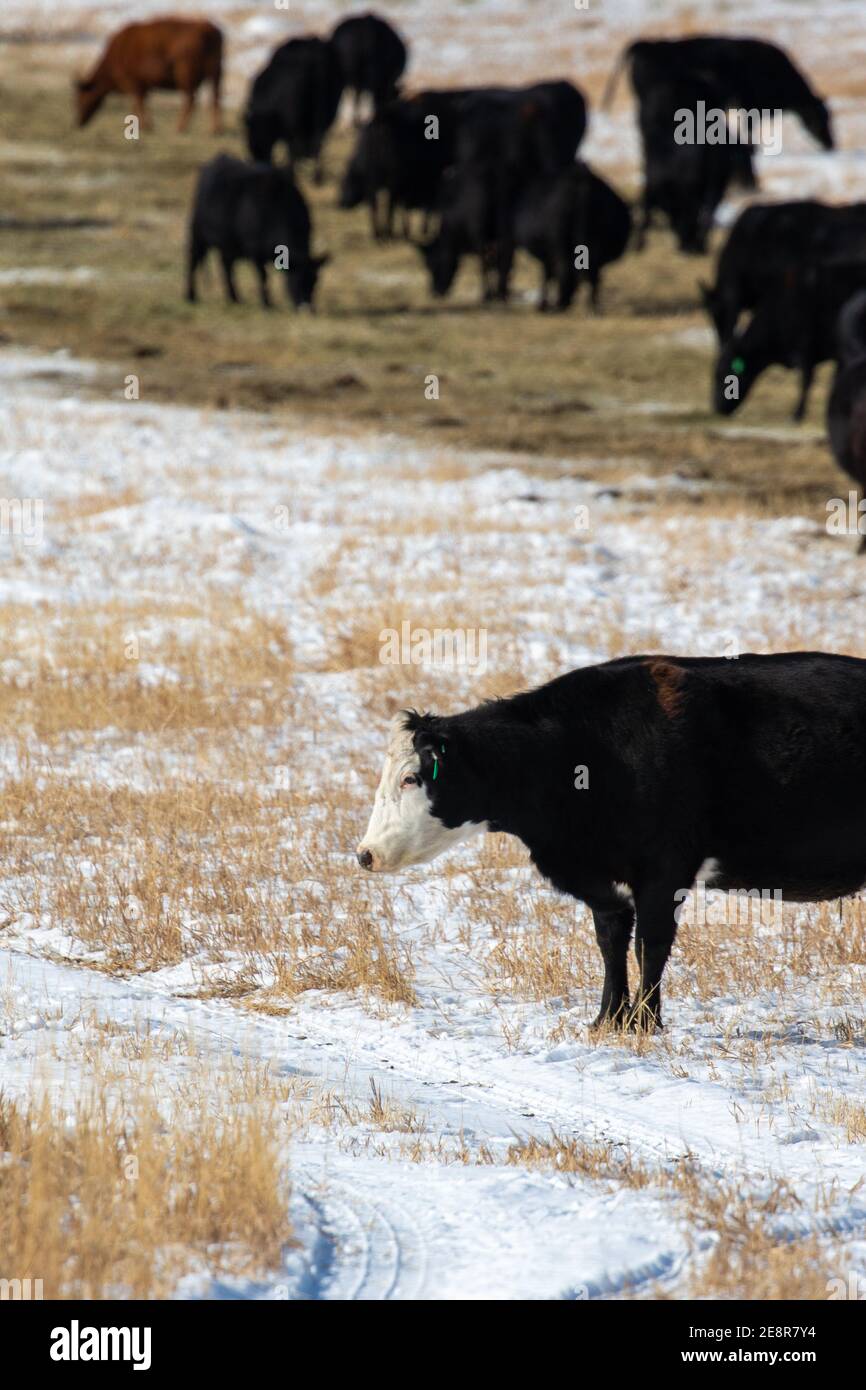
column 216, row 119
column 613, row 928
column 595, row 290
column 196, row 254
column 185, row 81
column 228, row 276
column 263, row 285
column 654, row 937
column 644, row 222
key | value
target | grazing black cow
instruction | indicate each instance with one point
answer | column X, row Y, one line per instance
column 405, row 151
column 395, row 164
column 574, row 224
column 252, row 212
column 769, row 238
column 503, row 138
column 753, row 75
column 372, row 57
column 472, row 222
column 539, row 127
column 685, row 182
column 295, row 100
column 630, row 781
column 793, row 326
column 846, row 406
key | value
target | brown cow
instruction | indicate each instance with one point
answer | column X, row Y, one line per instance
column 176, row 55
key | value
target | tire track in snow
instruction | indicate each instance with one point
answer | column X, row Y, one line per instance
column 368, row 1247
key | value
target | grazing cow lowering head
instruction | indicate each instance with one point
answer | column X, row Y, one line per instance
column 738, row 366
column 442, row 259
column 89, row 96
column 424, row 800
column 302, row 279
column 816, row 118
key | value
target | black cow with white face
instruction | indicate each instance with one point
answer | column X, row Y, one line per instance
column 746, row 774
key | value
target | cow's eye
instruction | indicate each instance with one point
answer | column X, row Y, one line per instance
column 410, row 780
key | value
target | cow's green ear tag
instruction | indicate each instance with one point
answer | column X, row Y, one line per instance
column 436, row 763
column 738, row 365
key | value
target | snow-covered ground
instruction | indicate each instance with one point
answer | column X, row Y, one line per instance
column 751, row 1083
column 163, row 523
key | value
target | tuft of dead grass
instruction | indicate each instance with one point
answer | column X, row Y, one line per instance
column 120, row 1199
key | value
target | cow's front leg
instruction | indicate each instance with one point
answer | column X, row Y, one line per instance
column 654, row 938
column 613, row 928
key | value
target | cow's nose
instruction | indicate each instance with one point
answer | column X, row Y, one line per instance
column 365, row 858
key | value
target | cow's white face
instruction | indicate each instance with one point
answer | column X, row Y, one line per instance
column 403, row 829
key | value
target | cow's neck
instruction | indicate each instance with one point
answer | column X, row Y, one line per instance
column 522, row 767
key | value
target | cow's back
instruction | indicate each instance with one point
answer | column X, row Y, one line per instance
column 160, row 42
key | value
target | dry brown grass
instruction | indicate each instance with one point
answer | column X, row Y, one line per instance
column 735, row 1252
column 848, row 1114
column 192, row 870
column 126, row 1196
column 567, row 387
column 219, row 667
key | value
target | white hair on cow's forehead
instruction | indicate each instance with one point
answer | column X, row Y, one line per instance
column 403, row 828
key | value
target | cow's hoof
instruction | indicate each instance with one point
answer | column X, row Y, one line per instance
column 644, row 1020
column 605, row 1019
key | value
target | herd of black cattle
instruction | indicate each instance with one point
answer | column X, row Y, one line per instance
column 494, row 170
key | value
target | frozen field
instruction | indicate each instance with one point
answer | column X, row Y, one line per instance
column 391, row 1083
column 449, row 1128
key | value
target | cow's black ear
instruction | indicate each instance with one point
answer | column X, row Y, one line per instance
column 434, row 751
column 427, row 735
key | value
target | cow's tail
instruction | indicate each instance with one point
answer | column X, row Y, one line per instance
column 621, row 61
